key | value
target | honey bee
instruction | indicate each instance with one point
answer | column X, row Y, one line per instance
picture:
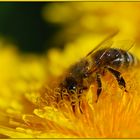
column 105, row 57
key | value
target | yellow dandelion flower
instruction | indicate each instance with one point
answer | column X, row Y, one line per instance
column 29, row 108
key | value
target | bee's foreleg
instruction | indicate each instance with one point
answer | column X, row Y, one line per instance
column 73, row 104
column 119, row 78
column 99, row 84
column 80, row 107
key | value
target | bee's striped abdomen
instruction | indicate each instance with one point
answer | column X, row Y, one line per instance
column 116, row 58
column 128, row 59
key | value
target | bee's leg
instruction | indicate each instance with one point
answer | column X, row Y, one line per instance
column 80, row 107
column 119, row 78
column 99, row 83
column 73, row 107
column 73, row 104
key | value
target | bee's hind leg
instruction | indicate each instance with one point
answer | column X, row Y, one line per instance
column 99, row 88
column 119, row 78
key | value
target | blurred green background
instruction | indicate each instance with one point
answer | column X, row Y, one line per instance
column 22, row 24
column 37, row 26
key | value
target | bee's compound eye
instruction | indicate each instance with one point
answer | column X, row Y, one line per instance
column 71, row 84
column 72, row 87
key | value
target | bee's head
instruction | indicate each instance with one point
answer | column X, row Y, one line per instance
column 69, row 84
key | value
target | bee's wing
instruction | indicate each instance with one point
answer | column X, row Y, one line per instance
column 102, row 45
column 123, row 44
column 106, row 43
